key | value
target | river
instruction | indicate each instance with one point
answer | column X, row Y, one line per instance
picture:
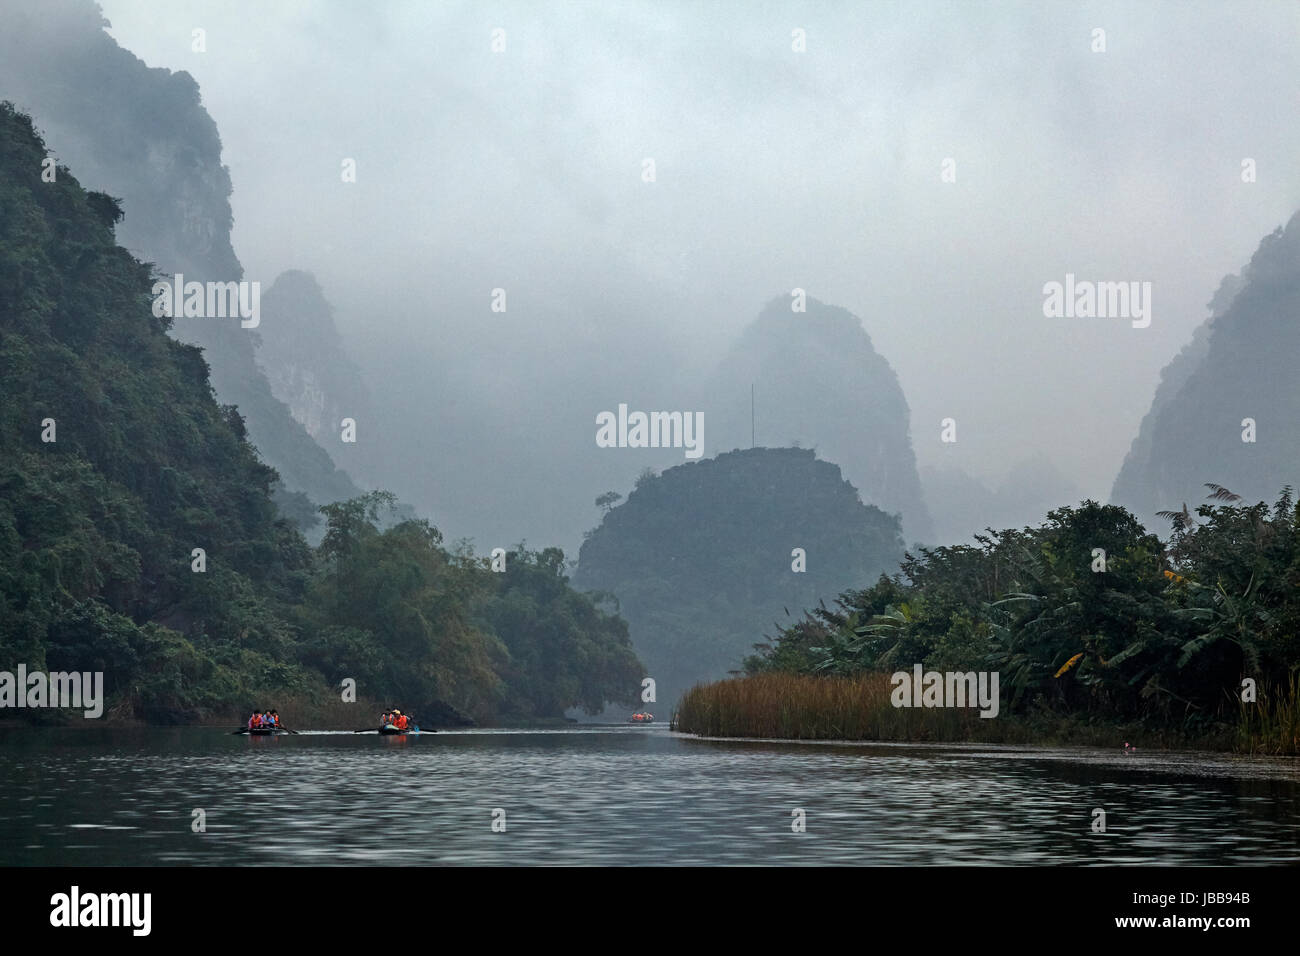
column 623, row 795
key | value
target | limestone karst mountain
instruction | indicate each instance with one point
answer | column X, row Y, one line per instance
column 143, row 136
column 1227, row 409
column 701, row 561
column 304, row 360
column 819, row 383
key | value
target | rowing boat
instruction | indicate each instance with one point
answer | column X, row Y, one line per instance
column 389, row 730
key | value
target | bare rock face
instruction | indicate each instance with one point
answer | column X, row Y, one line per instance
column 303, row 358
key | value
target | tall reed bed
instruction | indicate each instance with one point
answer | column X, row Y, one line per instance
column 1271, row 724
column 801, row 707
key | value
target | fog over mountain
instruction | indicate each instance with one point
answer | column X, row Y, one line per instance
column 142, row 135
column 478, row 171
column 649, row 433
column 1031, row 488
column 523, row 170
column 823, row 386
column 304, row 361
column 1227, row 411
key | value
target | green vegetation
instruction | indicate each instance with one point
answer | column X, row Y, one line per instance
column 699, row 557
column 1161, row 639
column 98, row 527
column 144, row 135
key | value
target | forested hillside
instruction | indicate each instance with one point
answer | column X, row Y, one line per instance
column 700, row 558
column 143, row 135
column 138, row 535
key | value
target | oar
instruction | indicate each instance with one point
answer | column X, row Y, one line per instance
column 244, row 731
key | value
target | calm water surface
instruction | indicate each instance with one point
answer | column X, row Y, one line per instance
column 615, row 795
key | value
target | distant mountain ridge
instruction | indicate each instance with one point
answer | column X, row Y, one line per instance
column 1239, row 365
column 963, row 506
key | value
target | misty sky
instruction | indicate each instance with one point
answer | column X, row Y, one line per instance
column 775, row 169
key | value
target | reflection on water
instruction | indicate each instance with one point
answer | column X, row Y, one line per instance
column 638, row 795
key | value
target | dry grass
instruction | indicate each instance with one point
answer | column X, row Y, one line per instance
column 799, row 707
column 1271, row 725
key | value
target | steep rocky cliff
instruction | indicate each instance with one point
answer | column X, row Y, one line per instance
column 1239, row 365
column 304, row 361
column 143, row 136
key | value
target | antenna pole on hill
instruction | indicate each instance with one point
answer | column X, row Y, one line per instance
column 751, row 414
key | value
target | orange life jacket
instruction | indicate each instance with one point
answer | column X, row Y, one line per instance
column 401, row 722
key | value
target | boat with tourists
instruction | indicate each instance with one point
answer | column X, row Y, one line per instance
column 264, row 723
column 393, row 723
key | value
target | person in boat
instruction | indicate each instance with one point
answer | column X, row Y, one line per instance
column 275, row 719
column 255, row 721
column 399, row 720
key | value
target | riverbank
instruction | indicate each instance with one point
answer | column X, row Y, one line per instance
column 299, row 711
column 859, row 708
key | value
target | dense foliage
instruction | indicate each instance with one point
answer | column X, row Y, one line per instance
column 699, row 558
column 116, row 463
column 143, row 134
column 1156, row 633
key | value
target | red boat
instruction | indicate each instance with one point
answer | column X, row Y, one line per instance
column 641, row 718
